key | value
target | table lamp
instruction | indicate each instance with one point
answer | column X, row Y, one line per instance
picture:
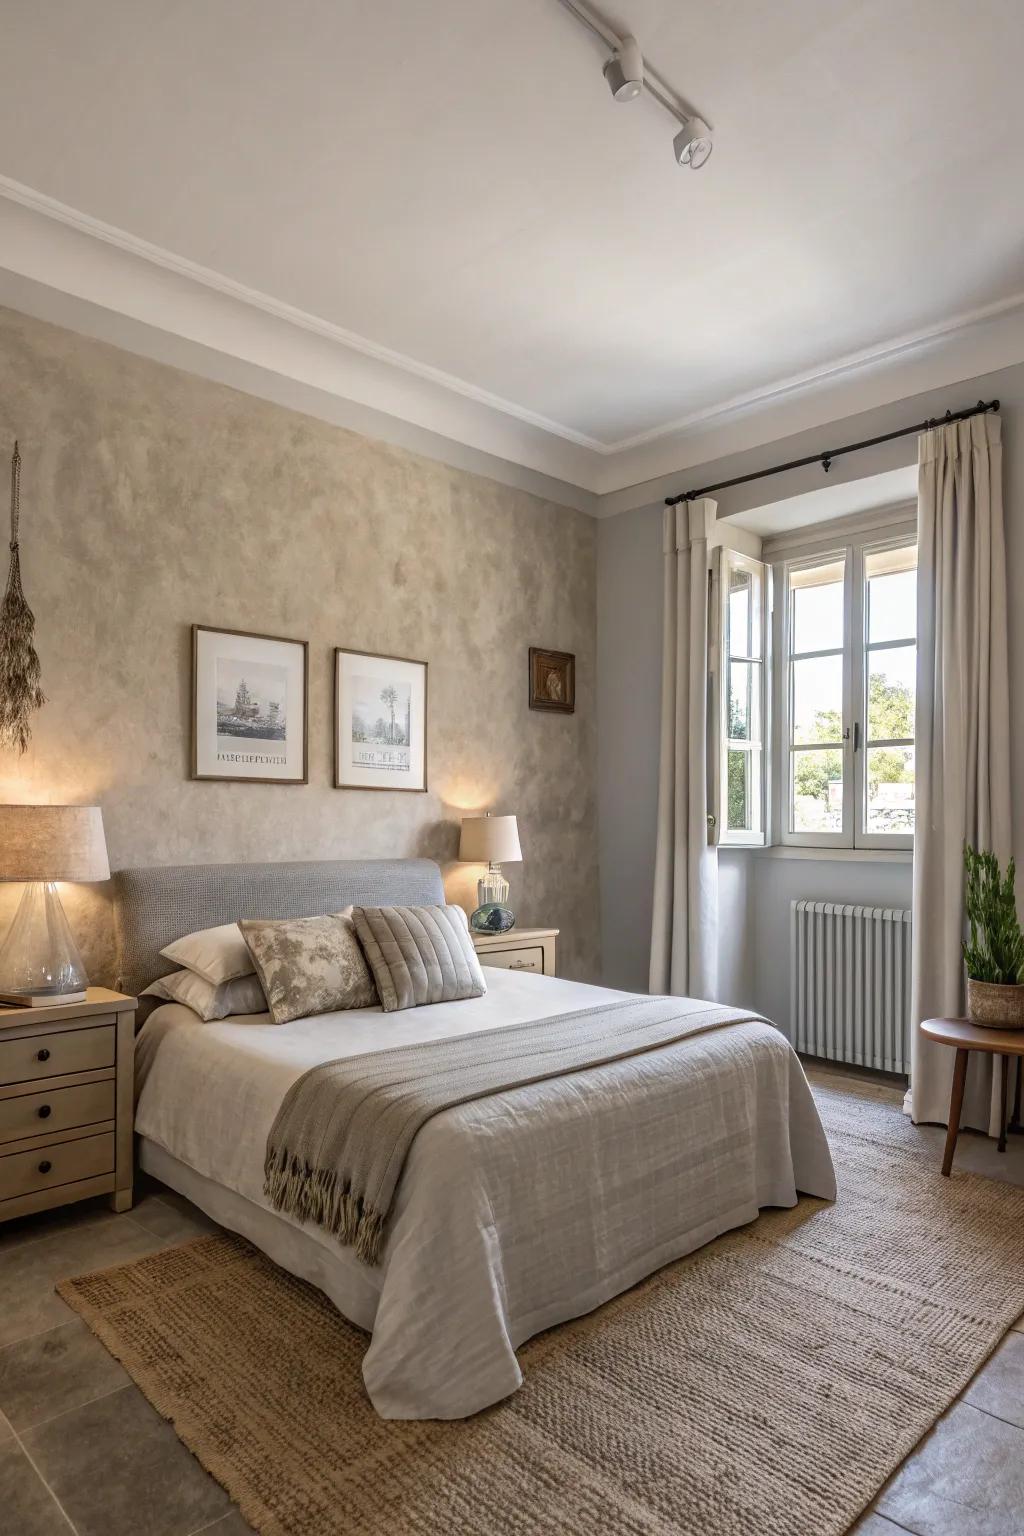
column 39, row 845
column 491, row 840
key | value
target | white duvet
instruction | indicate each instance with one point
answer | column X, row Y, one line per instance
column 515, row 1212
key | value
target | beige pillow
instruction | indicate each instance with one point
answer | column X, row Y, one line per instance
column 216, row 954
column 419, row 955
column 242, row 995
column 309, row 965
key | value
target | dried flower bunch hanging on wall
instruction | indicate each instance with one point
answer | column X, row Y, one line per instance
column 20, row 673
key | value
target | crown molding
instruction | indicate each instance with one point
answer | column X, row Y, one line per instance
column 868, row 358
column 122, row 240
column 55, row 247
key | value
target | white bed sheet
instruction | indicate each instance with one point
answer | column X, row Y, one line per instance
column 515, row 1212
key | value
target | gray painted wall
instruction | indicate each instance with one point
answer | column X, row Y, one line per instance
column 755, row 890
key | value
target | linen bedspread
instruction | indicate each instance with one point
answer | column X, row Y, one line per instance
column 517, row 1211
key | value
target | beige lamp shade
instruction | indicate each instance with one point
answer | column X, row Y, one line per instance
column 52, row 842
column 490, row 840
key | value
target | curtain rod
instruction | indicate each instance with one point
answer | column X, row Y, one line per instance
column 825, row 459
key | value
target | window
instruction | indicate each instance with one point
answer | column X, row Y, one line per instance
column 817, row 807
column 742, row 617
column 813, row 674
column 848, row 627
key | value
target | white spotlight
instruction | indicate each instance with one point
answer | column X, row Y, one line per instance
column 693, row 143
column 625, row 71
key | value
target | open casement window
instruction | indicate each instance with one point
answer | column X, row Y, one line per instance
column 845, row 693
column 739, row 699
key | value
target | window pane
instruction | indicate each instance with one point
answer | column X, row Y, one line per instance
column 818, row 699
column 745, row 700
column 744, row 613
column 816, row 596
column 743, row 800
column 892, row 593
column 890, row 789
column 891, row 693
column 816, row 796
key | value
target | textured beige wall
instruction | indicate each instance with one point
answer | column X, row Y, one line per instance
column 153, row 499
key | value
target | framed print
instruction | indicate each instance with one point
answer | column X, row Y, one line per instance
column 250, row 701
column 552, row 680
column 380, row 722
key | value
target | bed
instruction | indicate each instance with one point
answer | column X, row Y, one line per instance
column 514, row 1212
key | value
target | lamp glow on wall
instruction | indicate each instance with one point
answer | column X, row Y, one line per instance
column 491, row 840
column 39, row 845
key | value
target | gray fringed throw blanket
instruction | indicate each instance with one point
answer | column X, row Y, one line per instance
column 339, row 1141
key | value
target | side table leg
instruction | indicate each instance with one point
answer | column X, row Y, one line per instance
column 1004, row 1062
column 956, row 1104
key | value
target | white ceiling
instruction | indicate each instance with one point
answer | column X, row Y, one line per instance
column 452, row 183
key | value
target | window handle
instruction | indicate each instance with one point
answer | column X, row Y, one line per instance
column 856, row 735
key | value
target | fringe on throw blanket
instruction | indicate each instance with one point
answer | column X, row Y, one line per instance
column 339, row 1141
column 319, row 1195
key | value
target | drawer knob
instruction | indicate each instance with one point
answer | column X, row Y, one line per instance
column 43, row 1055
column 45, row 1165
column 44, row 1111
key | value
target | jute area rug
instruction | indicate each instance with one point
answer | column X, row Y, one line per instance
column 767, row 1384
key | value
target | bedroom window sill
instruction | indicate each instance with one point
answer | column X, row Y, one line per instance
column 831, row 855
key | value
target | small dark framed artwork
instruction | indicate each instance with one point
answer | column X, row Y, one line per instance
column 250, row 696
column 552, row 680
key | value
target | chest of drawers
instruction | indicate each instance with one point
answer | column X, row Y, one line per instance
column 66, row 1103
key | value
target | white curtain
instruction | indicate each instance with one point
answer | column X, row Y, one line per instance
column 963, row 736
column 684, row 939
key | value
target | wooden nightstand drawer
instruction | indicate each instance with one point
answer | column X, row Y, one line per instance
column 27, row 1173
column 525, row 959
column 527, row 949
column 66, row 1103
column 60, row 1109
column 55, row 1053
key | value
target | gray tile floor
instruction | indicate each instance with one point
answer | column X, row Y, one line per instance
column 82, row 1451
column 966, row 1478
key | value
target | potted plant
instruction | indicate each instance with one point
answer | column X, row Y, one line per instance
column 994, row 955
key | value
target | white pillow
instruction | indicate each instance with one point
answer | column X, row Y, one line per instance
column 241, row 995
column 215, row 954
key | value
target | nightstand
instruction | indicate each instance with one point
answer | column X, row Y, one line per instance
column 66, row 1103
column 521, row 949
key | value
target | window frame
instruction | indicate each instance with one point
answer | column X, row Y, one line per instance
column 724, row 559
column 862, row 648
column 820, row 544
column 785, row 751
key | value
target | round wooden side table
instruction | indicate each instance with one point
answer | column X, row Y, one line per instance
column 966, row 1037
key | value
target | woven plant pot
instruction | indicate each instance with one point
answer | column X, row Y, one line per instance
column 995, row 1004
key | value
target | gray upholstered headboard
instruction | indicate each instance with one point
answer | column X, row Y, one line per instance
column 154, row 906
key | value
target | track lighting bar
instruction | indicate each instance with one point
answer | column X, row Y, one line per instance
column 628, row 74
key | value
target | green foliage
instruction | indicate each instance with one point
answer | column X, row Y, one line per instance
column 995, row 951
column 890, row 716
column 737, row 789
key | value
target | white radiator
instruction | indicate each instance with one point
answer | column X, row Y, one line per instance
column 850, row 983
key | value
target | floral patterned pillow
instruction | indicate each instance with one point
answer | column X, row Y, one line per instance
column 309, row 965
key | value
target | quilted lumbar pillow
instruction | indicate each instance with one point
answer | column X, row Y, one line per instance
column 309, row 965
column 419, row 955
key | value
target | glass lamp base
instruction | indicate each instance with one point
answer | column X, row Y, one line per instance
column 493, row 889
column 39, row 959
